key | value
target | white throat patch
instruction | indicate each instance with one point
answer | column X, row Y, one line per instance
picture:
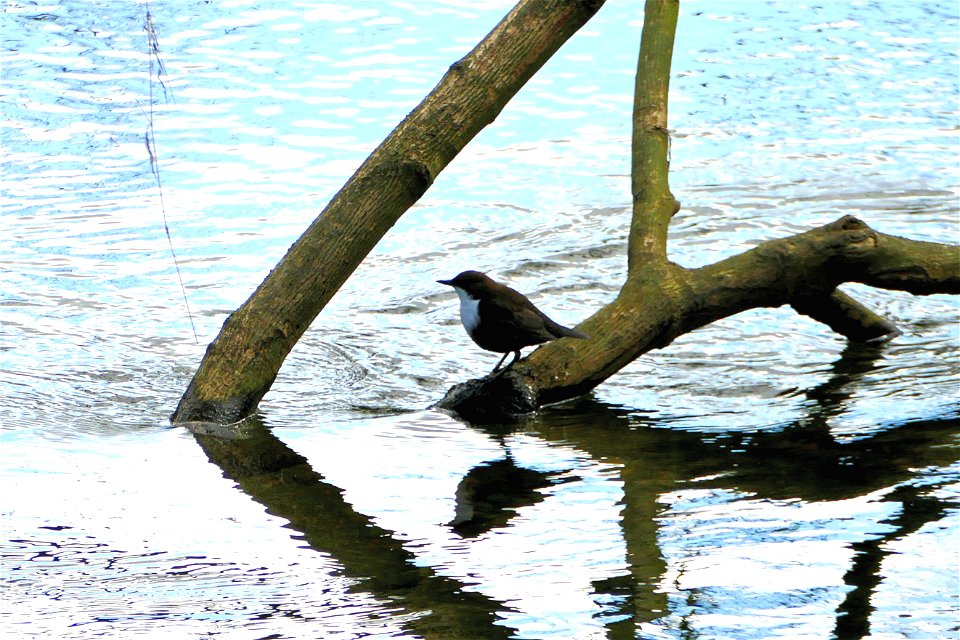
column 469, row 310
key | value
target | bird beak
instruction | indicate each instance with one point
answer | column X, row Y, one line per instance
column 446, row 282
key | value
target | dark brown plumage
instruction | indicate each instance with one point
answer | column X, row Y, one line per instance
column 502, row 319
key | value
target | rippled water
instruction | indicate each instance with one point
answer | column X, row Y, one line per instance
column 758, row 478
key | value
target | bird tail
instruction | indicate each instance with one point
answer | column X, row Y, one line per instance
column 576, row 333
column 566, row 332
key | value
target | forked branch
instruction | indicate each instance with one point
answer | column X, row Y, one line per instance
column 661, row 300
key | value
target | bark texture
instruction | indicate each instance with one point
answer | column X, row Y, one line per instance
column 241, row 364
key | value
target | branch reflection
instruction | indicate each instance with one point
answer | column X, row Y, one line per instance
column 279, row 478
column 799, row 461
column 802, row 461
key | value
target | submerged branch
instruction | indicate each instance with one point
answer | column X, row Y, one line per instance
column 851, row 319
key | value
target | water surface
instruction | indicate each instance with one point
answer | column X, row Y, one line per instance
column 758, row 478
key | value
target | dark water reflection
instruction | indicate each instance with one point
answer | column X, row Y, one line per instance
column 758, row 478
column 282, row 480
column 709, row 496
column 804, row 521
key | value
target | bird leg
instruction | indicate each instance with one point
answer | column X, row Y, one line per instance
column 516, row 356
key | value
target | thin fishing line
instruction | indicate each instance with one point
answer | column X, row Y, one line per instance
column 151, row 143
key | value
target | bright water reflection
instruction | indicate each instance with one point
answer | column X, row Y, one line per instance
column 747, row 482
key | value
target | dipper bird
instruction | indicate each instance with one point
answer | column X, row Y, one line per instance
column 500, row 319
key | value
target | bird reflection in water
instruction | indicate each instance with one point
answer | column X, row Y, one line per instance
column 493, row 492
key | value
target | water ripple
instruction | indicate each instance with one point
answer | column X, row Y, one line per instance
column 643, row 497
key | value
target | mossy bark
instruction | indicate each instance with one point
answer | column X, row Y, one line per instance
column 241, row 364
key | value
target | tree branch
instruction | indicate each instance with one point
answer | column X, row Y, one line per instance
column 811, row 265
column 921, row 268
column 663, row 303
column 653, row 204
column 851, row 319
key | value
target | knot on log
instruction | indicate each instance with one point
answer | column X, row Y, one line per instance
column 848, row 237
column 856, row 238
column 412, row 174
column 848, row 223
column 590, row 7
column 416, row 176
